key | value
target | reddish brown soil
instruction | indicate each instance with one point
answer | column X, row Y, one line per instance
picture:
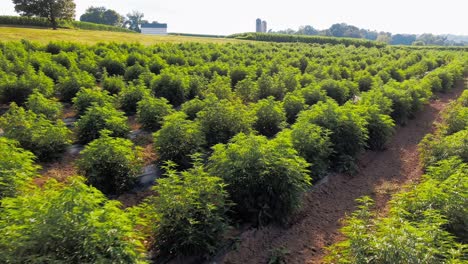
column 381, row 174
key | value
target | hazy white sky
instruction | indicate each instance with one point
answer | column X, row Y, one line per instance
column 226, row 17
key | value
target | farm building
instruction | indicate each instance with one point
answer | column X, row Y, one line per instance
column 154, row 29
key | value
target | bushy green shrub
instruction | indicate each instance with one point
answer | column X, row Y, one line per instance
column 220, row 120
column 98, row 118
column 313, row 144
column 395, row 239
column 40, row 105
column 70, row 85
column 67, row 223
column 348, row 131
column 364, row 80
column 293, row 104
column 54, row 71
column 157, row 64
column 110, row 164
column 220, row 87
column 238, row 74
column 90, row 96
column 446, row 78
column 269, row 117
column 136, row 58
column 130, row 96
column 171, row 86
column 376, row 98
column 64, row 59
column 401, row 102
column 178, row 139
column 151, row 111
column 336, row 90
column 434, row 149
column 313, row 94
column 192, row 107
column 456, row 118
column 17, row 89
column 113, row 84
column 380, row 126
column 247, row 90
column 134, row 72
column 16, row 167
column 188, row 214
column 463, row 99
column 265, row 179
column 46, row 139
column 266, row 86
column 112, row 66
column 444, row 190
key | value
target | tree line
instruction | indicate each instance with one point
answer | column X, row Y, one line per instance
column 56, row 10
column 350, row 31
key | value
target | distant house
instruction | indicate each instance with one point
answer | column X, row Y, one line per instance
column 154, row 29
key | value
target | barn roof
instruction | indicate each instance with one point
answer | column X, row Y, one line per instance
column 154, row 25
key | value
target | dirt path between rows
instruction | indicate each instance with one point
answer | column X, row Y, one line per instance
column 317, row 225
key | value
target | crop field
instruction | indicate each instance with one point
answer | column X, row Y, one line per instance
column 45, row 35
column 124, row 148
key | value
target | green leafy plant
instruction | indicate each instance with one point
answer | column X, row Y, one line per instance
column 98, row 118
column 67, row 223
column 270, row 117
column 16, row 167
column 265, row 179
column 88, row 97
column 151, row 112
column 46, row 139
column 41, row 105
column 293, row 104
column 113, row 84
column 70, row 85
column 171, row 86
column 130, row 96
column 188, row 216
column 178, row 139
column 220, row 120
column 110, row 164
column 348, row 131
column 313, row 143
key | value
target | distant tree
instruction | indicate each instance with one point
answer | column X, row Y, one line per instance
column 307, row 30
column 367, row 34
column 134, row 20
column 93, row 14
column 344, row 30
column 384, row 37
column 403, row 39
column 430, row 39
column 338, row 30
column 102, row 15
column 50, row 9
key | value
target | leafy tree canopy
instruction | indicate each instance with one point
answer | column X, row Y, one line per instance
column 102, row 15
column 50, row 9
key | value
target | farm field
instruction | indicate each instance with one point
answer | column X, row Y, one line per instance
column 187, row 147
column 44, row 36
